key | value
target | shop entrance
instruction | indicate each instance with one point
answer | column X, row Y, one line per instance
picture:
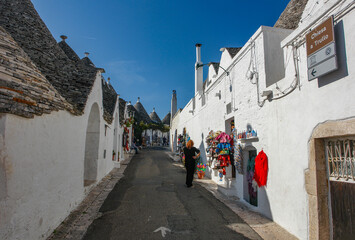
column 329, row 180
column 341, row 176
column 229, row 126
column 250, row 189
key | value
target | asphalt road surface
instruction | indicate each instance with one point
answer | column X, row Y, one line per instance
column 152, row 194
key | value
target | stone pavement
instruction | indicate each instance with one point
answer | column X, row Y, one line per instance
column 75, row 225
column 266, row 228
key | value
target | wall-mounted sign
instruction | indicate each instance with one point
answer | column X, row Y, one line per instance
column 321, row 52
column 322, row 69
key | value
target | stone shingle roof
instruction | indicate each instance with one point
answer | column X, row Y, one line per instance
column 233, row 51
column 87, row 62
column 73, row 80
column 291, row 16
column 24, row 90
column 166, row 119
column 132, row 111
column 154, row 116
column 69, row 51
column 109, row 96
column 143, row 115
column 122, row 106
column 215, row 66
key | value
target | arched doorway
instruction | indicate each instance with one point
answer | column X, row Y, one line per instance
column 92, row 142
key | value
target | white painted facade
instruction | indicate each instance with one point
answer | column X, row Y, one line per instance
column 44, row 165
column 285, row 123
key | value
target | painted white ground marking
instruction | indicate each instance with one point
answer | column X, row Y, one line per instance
column 163, row 230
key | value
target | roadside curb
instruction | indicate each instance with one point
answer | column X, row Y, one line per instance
column 76, row 224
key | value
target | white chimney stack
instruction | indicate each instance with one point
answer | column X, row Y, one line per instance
column 198, row 70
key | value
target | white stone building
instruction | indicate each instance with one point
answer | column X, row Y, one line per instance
column 264, row 86
column 60, row 123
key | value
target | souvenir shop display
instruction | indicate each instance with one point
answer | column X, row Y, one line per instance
column 219, row 151
column 247, row 134
column 238, row 153
column 261, row 169
column 252, row 185
column 182, row 140
column 211, row 147
column 180, row 147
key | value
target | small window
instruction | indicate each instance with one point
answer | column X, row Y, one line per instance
column 229, row 108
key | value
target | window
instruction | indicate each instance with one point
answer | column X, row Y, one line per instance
column 229, row 108
column 341, row 159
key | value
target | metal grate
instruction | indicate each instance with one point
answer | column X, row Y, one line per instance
column 341, row 159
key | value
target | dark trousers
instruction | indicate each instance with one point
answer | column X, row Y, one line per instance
column 190, row 170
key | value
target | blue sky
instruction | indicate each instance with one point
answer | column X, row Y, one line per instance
column 147, row 47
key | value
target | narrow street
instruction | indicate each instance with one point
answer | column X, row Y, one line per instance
column 152, row 194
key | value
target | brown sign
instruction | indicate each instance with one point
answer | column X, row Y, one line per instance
column 320, row 36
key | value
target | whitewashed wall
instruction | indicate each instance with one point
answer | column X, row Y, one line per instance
column 44, row 162
column 285, row 125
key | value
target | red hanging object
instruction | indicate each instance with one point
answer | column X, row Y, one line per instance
column 261, row 169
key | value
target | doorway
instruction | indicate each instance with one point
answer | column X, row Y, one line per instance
column 92, row 146
column 330, row 195
column 341, row 176
column 250, row 189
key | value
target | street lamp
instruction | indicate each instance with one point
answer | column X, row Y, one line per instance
column 198, row 65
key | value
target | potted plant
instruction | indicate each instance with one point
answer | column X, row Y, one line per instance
column 201, row 170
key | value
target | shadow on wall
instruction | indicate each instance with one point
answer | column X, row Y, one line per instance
column 258, row 200
column 202, row 150
column 174, row 147
column 341, row 58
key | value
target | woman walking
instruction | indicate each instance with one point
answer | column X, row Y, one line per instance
column 190, row 157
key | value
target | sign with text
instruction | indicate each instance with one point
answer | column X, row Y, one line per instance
column 321, row 51
column 320, row 36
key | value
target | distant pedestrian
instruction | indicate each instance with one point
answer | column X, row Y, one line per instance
column 190, row 157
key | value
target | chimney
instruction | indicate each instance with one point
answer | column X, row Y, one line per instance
column 153, row 109
column 198, row 70
column 108, row 80
column 139, row 99
column 63, row 37
column 173, row 105
column 86, row 54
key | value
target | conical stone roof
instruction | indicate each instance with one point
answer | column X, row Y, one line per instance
column 142, row 112
column 166, row 119
column 154, row 116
